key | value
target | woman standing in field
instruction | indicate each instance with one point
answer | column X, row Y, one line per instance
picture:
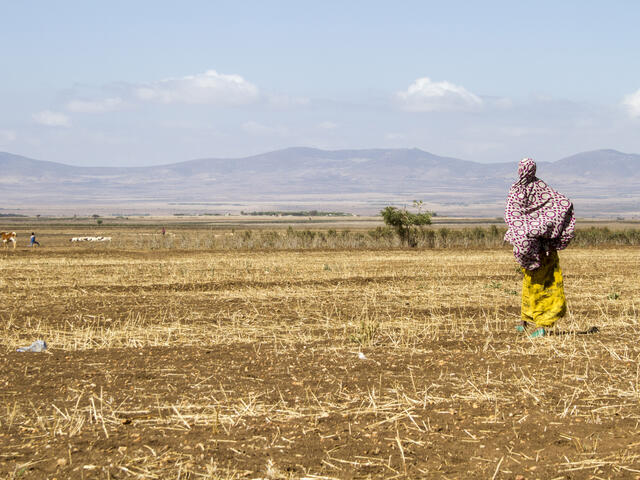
column 541, row 222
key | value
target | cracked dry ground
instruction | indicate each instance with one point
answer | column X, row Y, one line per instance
column 246, row 365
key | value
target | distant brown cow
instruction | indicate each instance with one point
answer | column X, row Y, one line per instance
column 9, row 237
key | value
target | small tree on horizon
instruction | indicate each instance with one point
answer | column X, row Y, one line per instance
column 406, row 223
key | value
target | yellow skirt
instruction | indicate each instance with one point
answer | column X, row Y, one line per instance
column 543, row 301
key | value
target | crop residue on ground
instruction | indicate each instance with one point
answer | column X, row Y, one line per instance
column 231, row 364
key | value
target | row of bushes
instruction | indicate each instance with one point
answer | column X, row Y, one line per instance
column 381, row 237
column 604, row 236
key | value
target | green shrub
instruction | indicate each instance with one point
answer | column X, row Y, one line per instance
column 406, row 224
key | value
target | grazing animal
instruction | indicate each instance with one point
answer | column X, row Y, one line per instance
column 9, row 237
column 90, row 239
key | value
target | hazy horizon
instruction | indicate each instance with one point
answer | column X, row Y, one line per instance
column 328, row 150
column 603, row 183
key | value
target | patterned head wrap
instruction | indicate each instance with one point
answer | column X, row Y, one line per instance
column 526, row 171
column 539, row 218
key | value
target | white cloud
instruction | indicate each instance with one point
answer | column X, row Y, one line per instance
column 632, row 103
column 52, row 119
column 423, row 95
column 95, row 106
column 256, row 128
column 208, row 88
column 7, row 136
column 327, row 125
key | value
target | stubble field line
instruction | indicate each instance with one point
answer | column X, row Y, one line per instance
column 442, row 372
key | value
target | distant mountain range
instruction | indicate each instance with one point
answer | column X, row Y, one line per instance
column 601, row 182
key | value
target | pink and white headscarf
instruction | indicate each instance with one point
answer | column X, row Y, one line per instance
column 539, row 218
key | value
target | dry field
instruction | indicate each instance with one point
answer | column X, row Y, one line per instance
column 313, row 364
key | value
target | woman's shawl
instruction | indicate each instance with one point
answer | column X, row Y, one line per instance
column 539, row 218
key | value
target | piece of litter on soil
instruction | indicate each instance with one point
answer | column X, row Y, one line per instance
column 37, row 346
column 361, row 356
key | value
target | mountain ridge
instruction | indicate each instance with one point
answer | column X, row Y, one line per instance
column 5, row 156
column 305, row 174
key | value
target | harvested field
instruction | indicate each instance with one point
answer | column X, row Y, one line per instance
column 313, row 364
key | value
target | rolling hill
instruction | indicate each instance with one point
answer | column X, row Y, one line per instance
column 603, row 182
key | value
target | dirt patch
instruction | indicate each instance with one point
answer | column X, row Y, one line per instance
column 446, row 410
column 325, row 364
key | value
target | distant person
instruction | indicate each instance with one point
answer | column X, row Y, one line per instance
column 32, row 241
column 541, row 222
column 163, row 231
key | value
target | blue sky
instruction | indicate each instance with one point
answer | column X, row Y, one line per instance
column 142, row 82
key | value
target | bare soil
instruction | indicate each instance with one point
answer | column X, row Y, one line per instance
column 406, row 364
